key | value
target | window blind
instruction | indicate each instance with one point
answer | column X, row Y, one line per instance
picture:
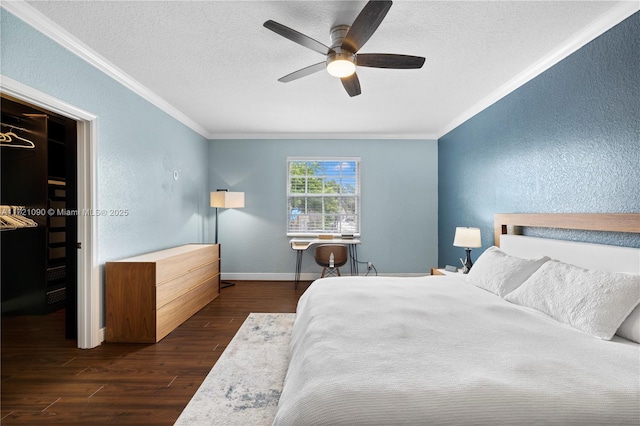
column 323, row 196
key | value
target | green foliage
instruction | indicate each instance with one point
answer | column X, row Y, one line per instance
column 321, row 191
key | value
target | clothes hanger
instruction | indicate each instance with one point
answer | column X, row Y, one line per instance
column 6, row 139
column 5, row 225
column 10, row 218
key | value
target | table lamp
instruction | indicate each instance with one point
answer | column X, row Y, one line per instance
column 468, row 238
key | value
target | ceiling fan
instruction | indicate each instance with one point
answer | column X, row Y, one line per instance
column 343, row 57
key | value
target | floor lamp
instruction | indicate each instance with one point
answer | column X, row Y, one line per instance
column 223, row 199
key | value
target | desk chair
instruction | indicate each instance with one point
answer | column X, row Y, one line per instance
column 322, row 255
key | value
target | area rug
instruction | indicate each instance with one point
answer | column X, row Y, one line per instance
column 244, row 385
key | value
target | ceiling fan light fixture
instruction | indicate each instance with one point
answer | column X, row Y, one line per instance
column 346, row 40
column 341, row 65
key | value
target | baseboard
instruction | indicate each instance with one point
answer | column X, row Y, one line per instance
column 305, row 276
column 257, row 276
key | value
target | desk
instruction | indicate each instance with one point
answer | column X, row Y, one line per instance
column 302, row 244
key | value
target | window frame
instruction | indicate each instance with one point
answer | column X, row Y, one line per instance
column 356, row 196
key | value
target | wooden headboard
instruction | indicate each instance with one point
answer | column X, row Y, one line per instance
column 609, row 222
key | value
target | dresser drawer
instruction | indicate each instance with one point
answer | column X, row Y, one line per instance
column 171, row 267
column 182, row 308
column 169, row 290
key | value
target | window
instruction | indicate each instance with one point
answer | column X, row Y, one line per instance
column 323, row 196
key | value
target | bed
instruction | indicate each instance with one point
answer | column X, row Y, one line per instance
column 506, row 344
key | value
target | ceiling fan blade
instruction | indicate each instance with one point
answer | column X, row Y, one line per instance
column 365, row 24
column 389, row 60
column 303, row 72
column 351, row 84
column 297, row 37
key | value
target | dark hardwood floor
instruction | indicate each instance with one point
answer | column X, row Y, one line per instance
column 46, row 380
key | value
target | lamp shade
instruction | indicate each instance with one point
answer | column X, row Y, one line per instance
column 467, row 237
column 227, row 200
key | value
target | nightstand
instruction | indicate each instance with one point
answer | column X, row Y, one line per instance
column 442, row 271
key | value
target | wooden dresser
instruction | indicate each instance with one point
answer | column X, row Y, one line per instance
column 148, row 296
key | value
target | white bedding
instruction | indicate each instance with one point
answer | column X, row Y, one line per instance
column 438, row 351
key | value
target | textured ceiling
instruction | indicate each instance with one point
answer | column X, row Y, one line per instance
column 215, row 63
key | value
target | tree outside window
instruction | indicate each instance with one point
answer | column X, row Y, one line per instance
column 323, row 196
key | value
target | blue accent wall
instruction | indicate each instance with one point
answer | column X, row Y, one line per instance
column 568, row 141
column 399, row 203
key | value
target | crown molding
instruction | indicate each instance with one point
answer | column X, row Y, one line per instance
column 604, row 23
column 315, row 136
column 41, row 23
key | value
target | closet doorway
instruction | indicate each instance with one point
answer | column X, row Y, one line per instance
column 38, row 155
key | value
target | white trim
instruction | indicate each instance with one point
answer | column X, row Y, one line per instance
column 89, row 296
column 28, row 94
column 305, row 196
column 305, row 276
column 598, row 27
column 328, row 135
column 321, row 158
column 272, row 276
column 89, row 308
column 46, row 26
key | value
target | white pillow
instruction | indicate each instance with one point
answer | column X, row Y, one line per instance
column 500, row 273
column 592, row 301
column 630, row 328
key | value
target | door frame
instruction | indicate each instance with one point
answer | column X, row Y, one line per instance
column 90, row 332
